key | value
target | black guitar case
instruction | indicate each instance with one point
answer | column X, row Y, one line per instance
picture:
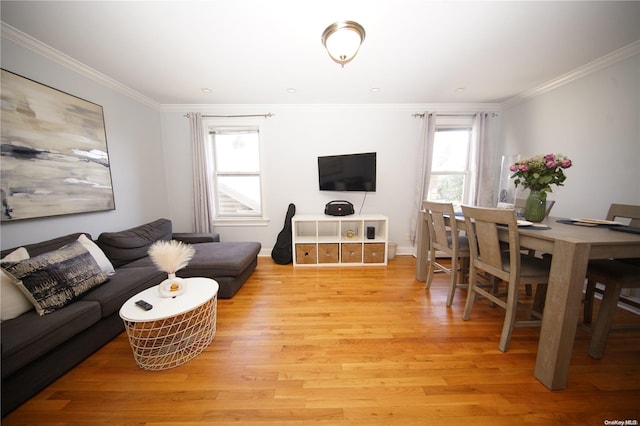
column 282, row 252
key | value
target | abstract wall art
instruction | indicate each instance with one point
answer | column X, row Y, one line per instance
column 53, row 152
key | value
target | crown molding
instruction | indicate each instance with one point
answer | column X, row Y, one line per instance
column 591, row 67
column 10, row 33
column 409, row 108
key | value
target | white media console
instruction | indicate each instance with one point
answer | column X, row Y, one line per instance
column 323, row 240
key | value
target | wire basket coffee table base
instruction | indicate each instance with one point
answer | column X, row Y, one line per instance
column 170, row 342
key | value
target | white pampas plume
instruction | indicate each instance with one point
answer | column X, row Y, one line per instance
column 169, row 256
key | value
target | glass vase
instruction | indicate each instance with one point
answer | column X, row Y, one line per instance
column 507, row 189
column 535, row 209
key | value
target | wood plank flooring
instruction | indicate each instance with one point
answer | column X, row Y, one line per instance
column 348, row 346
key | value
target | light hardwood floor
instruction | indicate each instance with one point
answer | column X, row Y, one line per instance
column 344, row 345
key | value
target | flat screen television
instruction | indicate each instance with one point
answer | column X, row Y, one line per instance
column 351, row 172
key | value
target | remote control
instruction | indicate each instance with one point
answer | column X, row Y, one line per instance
column 144, row 305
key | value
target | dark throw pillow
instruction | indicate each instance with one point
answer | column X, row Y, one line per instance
column 55, row 279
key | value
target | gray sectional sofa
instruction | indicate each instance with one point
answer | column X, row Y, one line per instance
column 37, row 349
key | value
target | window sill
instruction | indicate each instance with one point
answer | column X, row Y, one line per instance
column 241, row 222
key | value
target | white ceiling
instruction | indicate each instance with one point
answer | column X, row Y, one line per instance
column 252, row 51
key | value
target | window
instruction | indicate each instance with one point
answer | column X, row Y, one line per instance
column 237, row 179
column 450, row 170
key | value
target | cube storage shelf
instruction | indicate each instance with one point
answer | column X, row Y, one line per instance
column 322, row 240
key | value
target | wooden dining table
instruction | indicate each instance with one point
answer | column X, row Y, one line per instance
column 571, row 247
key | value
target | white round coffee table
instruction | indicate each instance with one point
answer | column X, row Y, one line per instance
column 176, row 329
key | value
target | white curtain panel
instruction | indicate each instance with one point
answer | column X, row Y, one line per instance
column 484, row 164
column 424, row 170
column 202, row 211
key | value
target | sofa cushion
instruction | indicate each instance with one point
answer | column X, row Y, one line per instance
column 126, row 246
column 55, row 279
column 226, row 259
column 125, row 283
column 229, row 286
column 30, row 336
column 14, row 302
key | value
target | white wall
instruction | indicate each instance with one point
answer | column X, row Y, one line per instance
column 135, row 152
column 291, row 142
column 595, row 121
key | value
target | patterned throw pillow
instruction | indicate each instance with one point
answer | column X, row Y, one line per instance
column 54, row 279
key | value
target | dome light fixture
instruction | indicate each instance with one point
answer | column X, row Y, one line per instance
column 342, row 40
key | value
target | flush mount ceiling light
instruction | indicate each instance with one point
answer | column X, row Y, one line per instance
column 342, row 40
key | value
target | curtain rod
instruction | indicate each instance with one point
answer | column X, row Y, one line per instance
column 235, row 116
column 421, row 115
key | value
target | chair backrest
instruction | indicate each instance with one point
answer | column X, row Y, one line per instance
column 443, row 230
column 486, row 251
column 522, row 202
column 625, row 211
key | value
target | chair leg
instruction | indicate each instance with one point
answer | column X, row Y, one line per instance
column 509, row 317
column 454, row 280
column 430, row 267
column 464, row 270
column 539, row 299
column 589, row 295
column 527, row 287
column 604, row 320
column 495, row 286
column 471, row 294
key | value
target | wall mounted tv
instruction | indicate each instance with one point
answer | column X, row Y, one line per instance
column 351, row 172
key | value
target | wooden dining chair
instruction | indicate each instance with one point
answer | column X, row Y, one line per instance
column 444, row 237
column 614, row 275
column 511, row 266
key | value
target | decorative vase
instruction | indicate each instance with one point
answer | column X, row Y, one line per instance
column 172, row 286
column 535, row 209
column 507, row 189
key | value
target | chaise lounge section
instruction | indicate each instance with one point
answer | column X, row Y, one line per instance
column 229, row 263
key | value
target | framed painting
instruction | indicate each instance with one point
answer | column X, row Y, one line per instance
column 53, row 157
